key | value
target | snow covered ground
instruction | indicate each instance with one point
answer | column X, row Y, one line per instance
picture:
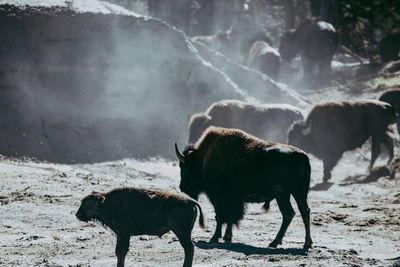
column 353, row 223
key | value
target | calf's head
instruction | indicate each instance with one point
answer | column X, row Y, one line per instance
column 90, row 207
column 190, row 172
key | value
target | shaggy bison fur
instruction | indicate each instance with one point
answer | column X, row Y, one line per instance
column 132, row 211
column 266, row 121
column 233, row 168
column 333, row 128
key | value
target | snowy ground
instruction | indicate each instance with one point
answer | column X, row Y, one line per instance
column 353, row 224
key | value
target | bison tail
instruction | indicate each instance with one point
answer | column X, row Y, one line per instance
column 201, row 217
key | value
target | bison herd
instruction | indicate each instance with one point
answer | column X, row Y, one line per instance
column 239, row 153
column 236, row 155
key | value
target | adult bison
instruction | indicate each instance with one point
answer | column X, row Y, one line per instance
column 232, row 168
column 316, row 42
column 132, row 211
column 264, row 58
column 335, row 127
column 266, row 121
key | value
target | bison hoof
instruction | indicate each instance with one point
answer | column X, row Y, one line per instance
column 274, row 244
column 307, row 245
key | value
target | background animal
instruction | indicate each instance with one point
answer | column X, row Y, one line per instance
column 316, row 42
column 266, row 121
column 389, row 47
column 232, row 168
column 264, row 58
column 392, row 96
column 133, row 211
column 332, row 128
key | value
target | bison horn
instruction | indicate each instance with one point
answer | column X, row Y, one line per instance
column 307, row 130
column 179, row 155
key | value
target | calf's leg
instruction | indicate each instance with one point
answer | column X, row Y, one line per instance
column 287, row 215
column 122, row 249
column 187, row 244
column 301, row 200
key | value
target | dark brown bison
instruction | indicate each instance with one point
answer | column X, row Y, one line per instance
column 267, row 121
column 264, row 58
column 389, row 47
column 392, row 96
column 132, row 211
column 316, row 42
column 335, row 127
column 232, row 168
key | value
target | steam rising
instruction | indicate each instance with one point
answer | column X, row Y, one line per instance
column 94, row 87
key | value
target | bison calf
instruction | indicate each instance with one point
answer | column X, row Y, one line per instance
column 267, row 121
column 333, row 128
column 132, row 211
column 233, row 168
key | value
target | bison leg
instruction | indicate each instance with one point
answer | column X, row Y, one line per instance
column 218, row 231
column 375, row 150
column 228, row 233
column 122, row 249
column 388, row 141
column 187, row 244
column 301, row 200
column 307, row 68
column 324, row 66
column 287, row 215
column 329, row 164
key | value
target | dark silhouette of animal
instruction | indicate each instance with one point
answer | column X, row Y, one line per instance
column 264, row 58
column 333, row 128
column 392, row 96
column 266, row 121
column 316, row 42
column 233, row 168
column 389, row 47
column 132, row 211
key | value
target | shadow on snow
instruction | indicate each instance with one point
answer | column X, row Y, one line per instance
column 251, row 250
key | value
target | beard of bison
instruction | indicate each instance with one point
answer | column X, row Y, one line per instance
column 191, row 184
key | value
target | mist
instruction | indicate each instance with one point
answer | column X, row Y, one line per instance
column 85, row 87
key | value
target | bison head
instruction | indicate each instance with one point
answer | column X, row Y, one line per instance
column 90, row 207
column 197, row 125
column 190, row 172
column 288, row 46
column 298, row 134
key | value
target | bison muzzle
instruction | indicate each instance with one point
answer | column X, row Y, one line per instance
column 132, row 211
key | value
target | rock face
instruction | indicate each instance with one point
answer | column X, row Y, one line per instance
column 94, row 87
